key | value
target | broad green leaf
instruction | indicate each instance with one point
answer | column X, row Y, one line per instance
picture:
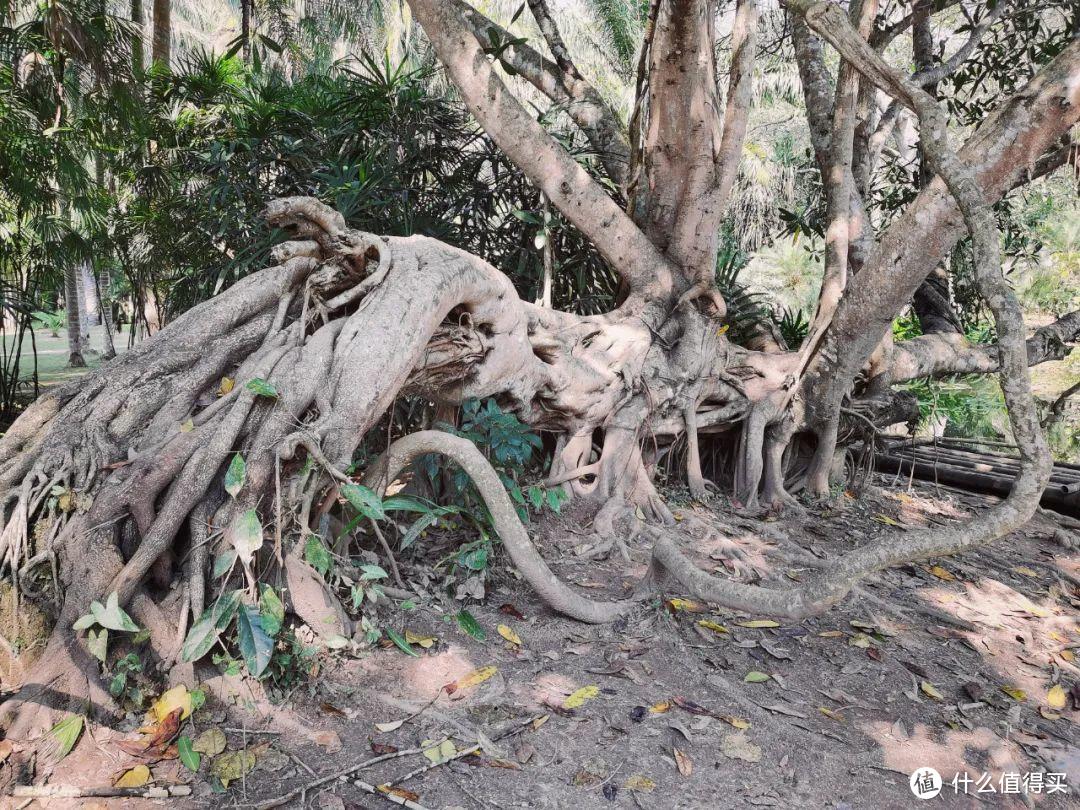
column 188, row 755
column 98, row 644
column 401, row 643
column 66, row 733
column 370, row 572
column 245, row 534
column 364, row 501
column 236, row 475
column 262, row 388
column 467, row 622
column 420, row 525
column 755, row 677
column 113, row 616
column 83, row 622
column 204, row 633
column 407, row 503
column 255, row 645
column 272, row 611
column 317, row 554
column 223, row 562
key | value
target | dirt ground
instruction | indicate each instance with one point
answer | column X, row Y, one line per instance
column 966, row 665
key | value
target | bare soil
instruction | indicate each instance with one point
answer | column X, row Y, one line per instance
column 948, row 664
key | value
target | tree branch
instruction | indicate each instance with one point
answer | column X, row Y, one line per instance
column 566, row 184
column 582, row 102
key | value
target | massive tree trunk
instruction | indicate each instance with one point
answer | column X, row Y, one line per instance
column 346, row 322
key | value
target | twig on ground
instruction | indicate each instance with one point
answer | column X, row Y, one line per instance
column 72, row 792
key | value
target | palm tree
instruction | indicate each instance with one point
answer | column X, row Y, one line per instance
column 162, row 46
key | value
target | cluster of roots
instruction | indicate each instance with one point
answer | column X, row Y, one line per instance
column 115, row 483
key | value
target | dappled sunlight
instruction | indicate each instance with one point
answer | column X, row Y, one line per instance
column 547, row 689
column 1016, row 636
column 949, row 752
column 424, row 677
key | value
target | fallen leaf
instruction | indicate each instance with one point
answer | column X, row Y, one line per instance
column 1047, row 714
column 640, row 783
column 1015, row 693
column 133, row 778
column 942, row 573
column 693, row 708
column 686, row 605
column 507, row 633
column 759, row 623
column 931, row 691
column 438, row 752
column 510, row 610
column 401, row 793
column 832, row 715
column 860, row 640
column 393, row 725
column 755, row 677
column 711, row 625
column 474, row 678
column 227, row 384
column 738, row 722
column 382, row 748
column 416, row 638
column 1067, row 655
column 66, row 734
column 328, row 740
column 832, row 634
column 579, row 697
column 539, row 721
column 232, row 766
column 176, row 698
column 1027, row 572
column 1055, row 698
column 210, row 743
column 683, row 762
column 661, row 707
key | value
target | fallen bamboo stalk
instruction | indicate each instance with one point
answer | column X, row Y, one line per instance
column 73, row 792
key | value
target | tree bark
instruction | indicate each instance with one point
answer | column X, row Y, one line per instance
column 162, row 44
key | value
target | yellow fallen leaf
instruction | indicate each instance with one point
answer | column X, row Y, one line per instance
column 640, row 784
column 233, row 765
column 211, row 742
column 683, row 762
column 176, row 698
column 1027, row 572
column 860, row 640
column 888, row 521
column 832, row 634
column 1035, row 610
column 1055, row 698
column 711, row 625
column 539, row 721
column 227, row 385
column 738, row 722
column 133, row 778
column 580, row 696
column 187, row 426
column 1056, row 636
column 687, row 605
column 723, row 329
column 1047, row 714
column 831, row 714
column 759, row 623
column 416, row 638
column 942, row 573
column 931, row 691
column 507, row 632
column 1014, row 692
column 438, row 752
column 660, row 708
column 1067, row 655
column 477, row 676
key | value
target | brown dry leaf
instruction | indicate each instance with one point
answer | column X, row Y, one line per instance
column 508, row 633
column 640, row 783
column 941, row 573
column 401, row 793
column 539, row 721
column 166, row 730
column 474, row 678
column 1055, row 698
column 1067, row 655
column 382, row 748
column 683, row 762
column 931, row 691
column 133, row 778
